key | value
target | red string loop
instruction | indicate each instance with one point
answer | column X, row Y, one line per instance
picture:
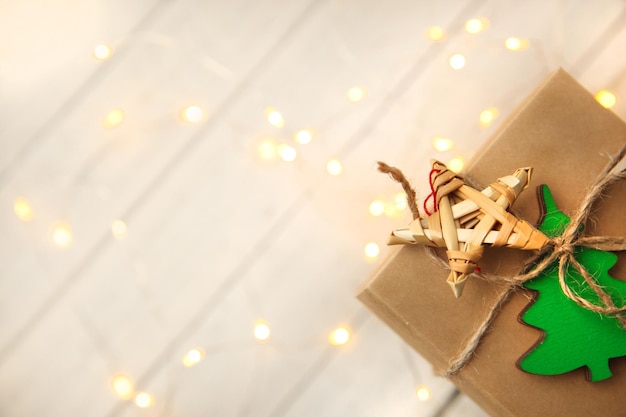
column 433, row 192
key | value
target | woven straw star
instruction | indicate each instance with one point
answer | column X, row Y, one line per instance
column 464, row 220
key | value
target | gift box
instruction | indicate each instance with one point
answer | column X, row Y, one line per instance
column 567, row 137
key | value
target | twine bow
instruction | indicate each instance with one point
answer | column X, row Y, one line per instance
column 561, row 250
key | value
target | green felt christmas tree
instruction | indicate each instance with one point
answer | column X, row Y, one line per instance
column 574, row 336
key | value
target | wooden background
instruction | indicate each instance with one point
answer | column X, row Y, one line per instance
column 215, row 230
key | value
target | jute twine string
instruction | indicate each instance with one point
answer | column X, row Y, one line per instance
column 561, row 249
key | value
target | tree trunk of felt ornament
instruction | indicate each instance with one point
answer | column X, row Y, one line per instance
column 574, row 336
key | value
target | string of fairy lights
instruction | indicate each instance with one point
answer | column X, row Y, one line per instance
column 272, row 149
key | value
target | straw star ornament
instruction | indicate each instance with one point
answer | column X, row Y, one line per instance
column 463, row 220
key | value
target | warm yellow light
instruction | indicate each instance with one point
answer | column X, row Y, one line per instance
column 23, row 209
column 193, row 114
column 267, row 149
column 487, row 116
column 356, row 94
column 62, row 234
column 391, row 210
column 512, row 43
column 123, row 387
column 102, row 51
column 144, row 400
column 377, row 208
column 477, row 25
column 442, row 144
column 304, row 136
column 261, row 331
column 457, row 61
column 436, row 33
column 371, row 250
column 606, row 98
column 193, row 357
column 113, row 118
column 401, row 202
column 339, row 336
column 286, row 152
column 456, row 164
column 423, row 393
column 516, row 44
column 274, row 117
column 334, row 167
column 119, row 229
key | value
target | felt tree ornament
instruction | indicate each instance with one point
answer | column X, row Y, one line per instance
column 463, row 219
column 574, row 336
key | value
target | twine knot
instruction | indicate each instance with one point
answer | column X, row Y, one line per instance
column 562, row 247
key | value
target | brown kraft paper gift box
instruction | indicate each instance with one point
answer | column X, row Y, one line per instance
column 567, row 137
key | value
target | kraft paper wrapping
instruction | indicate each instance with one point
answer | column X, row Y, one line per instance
column 566, row 137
